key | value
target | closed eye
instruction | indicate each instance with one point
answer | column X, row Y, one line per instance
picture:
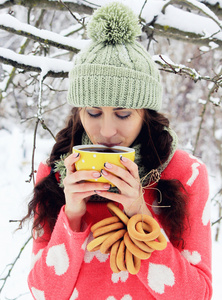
column 94, row 115
column 123, row 116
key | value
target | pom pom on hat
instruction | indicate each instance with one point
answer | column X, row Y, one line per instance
column 114, row 23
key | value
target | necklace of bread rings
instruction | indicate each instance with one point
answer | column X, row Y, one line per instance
column 128, row 240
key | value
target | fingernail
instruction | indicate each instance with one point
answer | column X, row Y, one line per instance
column 76, row 154
column 104, row 172
column 124, row 159
column 108, row 165
column 96, row 175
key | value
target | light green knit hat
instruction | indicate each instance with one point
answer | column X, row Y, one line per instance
column 114, row 70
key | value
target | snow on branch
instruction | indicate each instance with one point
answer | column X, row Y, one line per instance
column 13, row 25
column 48, row 66
column 173, row 22
column 195, row 5
column 169, row 66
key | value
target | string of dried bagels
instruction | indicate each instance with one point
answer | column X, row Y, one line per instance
column 127, row 240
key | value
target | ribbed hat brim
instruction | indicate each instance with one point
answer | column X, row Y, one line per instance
column 117, row 87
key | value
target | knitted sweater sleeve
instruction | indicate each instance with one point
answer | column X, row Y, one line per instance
column 185, row 273
column 56, row 256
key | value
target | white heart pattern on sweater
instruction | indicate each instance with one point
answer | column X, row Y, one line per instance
column 126, row 297
column 75, row 295
column 36, row 257
column 206, row 213
column 195, row 173
column 58, row 258
column 160, row 276
column 39, row 295
column 90, row 255
column 83, row 247
column 100, row 256
column 38, row 233
column 193, row 257
column 121, row 276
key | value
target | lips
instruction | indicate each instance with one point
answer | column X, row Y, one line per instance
column 110, row 145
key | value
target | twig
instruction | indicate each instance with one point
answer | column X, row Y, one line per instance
column 13, row 264
column 31, row 175
column 47, row 129
column 142, row 9
column 184, row 70
column 39, row 119
column 173, row 69
column 212, row 90
column 81, row 21
column 217, row 221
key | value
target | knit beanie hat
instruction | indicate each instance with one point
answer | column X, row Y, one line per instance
column 114, row 70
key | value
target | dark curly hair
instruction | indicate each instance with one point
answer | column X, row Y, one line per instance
column 155, row 150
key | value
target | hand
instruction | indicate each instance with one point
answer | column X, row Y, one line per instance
column 128, row 182
column 77, row 189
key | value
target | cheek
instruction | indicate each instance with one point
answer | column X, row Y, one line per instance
column 132, row 129
column 91, row 127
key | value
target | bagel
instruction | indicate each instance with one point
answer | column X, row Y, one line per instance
column 161, row 242
column 131, row 226
column 143, row 227
column 98, row 241
column 120, row 258
column 113, row 255
column 133, row 263
column 108, row 228
column 105, row 246
column 104, row 222
column 116, row 211
column 134, row 249
column 142, row 245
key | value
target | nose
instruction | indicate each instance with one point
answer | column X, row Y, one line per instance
column 108, row 128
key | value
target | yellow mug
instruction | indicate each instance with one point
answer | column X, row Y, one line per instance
column 93, row 157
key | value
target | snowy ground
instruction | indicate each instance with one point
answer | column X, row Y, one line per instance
column 16, row 151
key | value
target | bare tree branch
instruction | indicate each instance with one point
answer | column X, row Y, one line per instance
column 82, row 7
column 36, row 64
column 22, row 50
column 160, row 29
column 13, row 25
column 171, row 67
column 197, row 6
column 188, row 37
column 211, row 91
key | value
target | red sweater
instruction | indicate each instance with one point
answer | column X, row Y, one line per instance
column 62, row 268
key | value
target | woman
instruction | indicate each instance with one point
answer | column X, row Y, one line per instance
column 116, row 93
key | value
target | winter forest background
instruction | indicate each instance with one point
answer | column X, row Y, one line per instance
column 38, row 40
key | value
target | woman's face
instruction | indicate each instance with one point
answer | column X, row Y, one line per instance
column 111, row 126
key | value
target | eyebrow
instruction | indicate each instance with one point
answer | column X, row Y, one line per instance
column 116, row 108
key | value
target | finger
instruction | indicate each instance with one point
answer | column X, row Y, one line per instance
column 124, row 174
column 131, row 166
column 78, row 176
column 113, row 197
column 83, row 195
column 131, row 188
column 70, row 162
column 88, row 186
